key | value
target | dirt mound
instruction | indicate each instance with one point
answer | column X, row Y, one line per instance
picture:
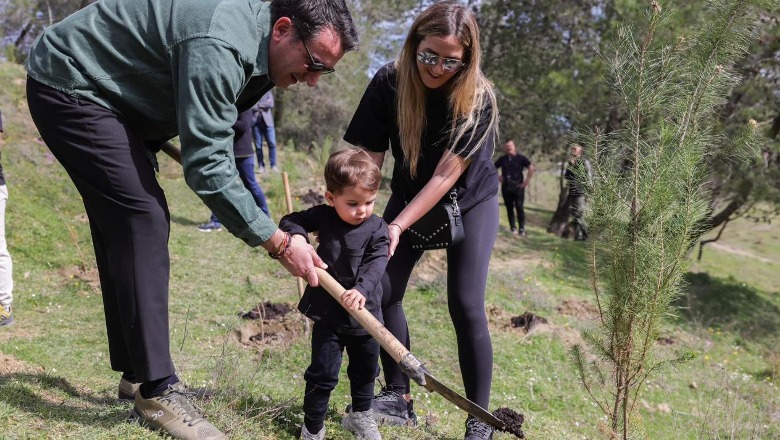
column 11, row 365
column 527, row 321
column 578, row 308
column 271, row 325
column 501, row 320
column 88, row 280
column 269, row 311
column 313, row 198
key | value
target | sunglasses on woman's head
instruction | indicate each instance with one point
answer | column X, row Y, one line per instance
column 448, row 64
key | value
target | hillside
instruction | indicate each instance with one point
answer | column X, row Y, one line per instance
column 55, row 380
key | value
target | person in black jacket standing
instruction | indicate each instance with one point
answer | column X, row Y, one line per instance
column 245, row 162
column 578, row 174
column 512, row 165
column 354, row 244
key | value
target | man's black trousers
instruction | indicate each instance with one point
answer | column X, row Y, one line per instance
column 129, row 220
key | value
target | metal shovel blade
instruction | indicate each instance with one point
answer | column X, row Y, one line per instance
column 432, row 384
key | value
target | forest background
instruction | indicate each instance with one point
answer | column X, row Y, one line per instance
column 545, row 60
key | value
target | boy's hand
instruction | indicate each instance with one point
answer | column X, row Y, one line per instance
column 353, row 299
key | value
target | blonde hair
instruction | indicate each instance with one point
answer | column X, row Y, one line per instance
column 471, row 93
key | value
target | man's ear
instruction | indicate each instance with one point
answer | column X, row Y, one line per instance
column 282, row 28
column 330, row 198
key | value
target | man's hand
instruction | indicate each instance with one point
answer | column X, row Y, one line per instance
column 300, row 259
column 353, row 299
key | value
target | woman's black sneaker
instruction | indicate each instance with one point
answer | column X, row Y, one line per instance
column 478, row 430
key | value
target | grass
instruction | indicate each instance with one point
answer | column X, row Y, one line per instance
column 55, row 379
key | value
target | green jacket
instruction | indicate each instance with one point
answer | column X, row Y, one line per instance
column 172, row 67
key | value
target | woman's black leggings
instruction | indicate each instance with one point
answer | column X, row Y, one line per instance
column 467, row 269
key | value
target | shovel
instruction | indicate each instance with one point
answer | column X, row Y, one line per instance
column 409, row 364
column 512, row 421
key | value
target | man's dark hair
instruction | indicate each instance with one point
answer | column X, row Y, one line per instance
column 311, row 16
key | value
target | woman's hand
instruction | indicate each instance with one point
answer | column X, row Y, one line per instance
column 394, row 232
column 353, row 299
column 447, row 172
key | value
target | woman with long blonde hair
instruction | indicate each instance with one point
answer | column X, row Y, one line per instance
column 436, row 112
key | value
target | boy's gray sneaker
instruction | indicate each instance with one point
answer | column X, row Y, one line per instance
column 362, row 424
column 6, row 316
column 478, row 430
column 390, row 408
column 174, row 413
column 306, row 435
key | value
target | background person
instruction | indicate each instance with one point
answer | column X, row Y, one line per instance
column 263, row 128
column 578, row 174
column 245, row 163
column 354, row 243
column 6, row 264
column 107, row 86
column 437, row 113
column 512, row 165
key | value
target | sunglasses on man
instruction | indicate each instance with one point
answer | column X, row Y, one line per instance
column 448, row 64
column 315, row 66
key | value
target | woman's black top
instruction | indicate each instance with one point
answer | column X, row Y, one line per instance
column 375, row 128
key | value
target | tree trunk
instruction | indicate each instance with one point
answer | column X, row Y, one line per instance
column 724, row 215
column 560, row 219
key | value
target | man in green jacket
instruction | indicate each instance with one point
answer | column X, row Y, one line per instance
column 107, row 87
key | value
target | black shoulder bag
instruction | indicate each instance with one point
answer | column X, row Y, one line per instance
column 439, row 228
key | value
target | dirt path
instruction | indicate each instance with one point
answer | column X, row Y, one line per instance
column 741, row 252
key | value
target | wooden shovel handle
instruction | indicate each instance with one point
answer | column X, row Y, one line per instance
column 386, row 339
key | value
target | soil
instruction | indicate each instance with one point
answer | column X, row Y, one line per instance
column 270, row 325
column 578, row 309
column 500, row 320
column 527, row 321
column 513, row 421
column 269, row 311
column 90, row 277
column 11, row 365
column 313, row 198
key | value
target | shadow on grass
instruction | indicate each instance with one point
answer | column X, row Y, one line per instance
column 27, row 392
column 184, row 221
column 729, row 304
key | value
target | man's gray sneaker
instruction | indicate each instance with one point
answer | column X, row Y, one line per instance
column 478, row 430
column 174, row 413
column 127, row 389
column 306, row 435
column 362, row 424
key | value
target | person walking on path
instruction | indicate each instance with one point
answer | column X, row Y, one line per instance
column 437, row 113
column 578, row 174
column 354, row 243
column 245, row 163
column 6, row 264
column 263, row 128
column 513, row 184
column 107, row 87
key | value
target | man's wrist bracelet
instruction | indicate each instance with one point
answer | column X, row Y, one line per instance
column 283, row 249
